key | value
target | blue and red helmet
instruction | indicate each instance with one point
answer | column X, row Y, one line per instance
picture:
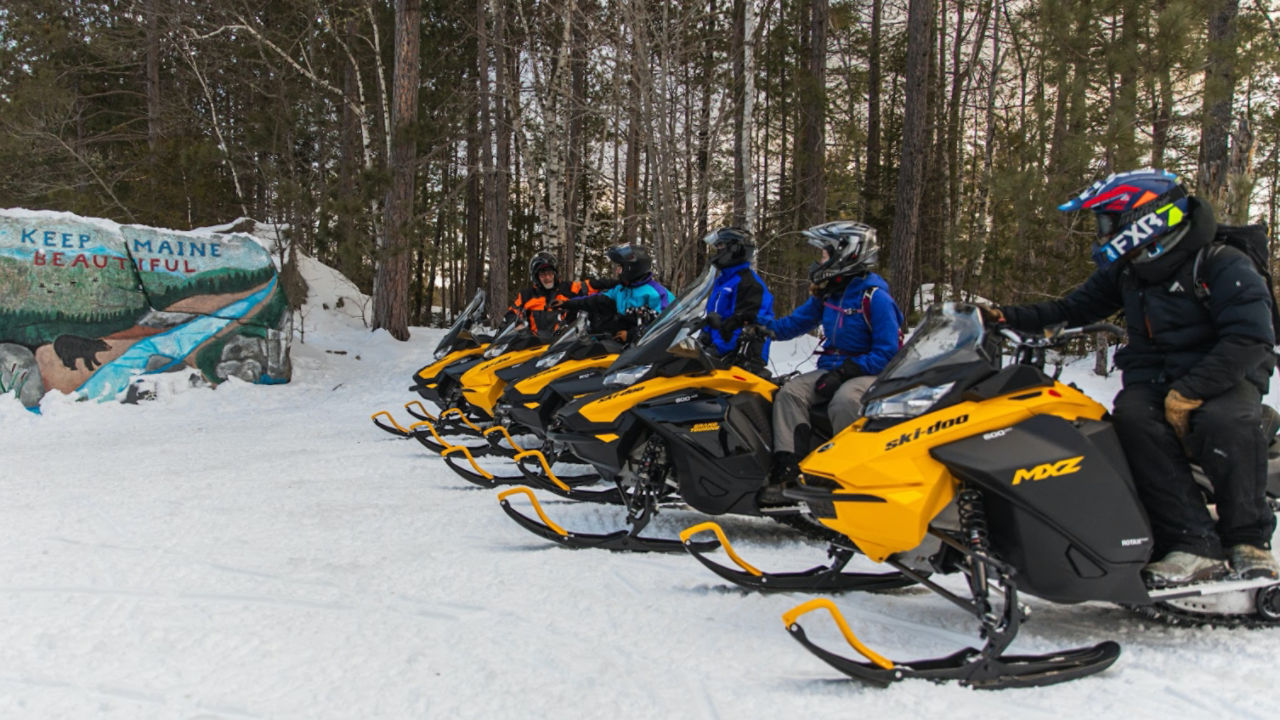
column 1134, row 210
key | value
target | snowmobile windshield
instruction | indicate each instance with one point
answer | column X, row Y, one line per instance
column 571, row 335
column 468, row 317
column 951, row 334
column 505, row 338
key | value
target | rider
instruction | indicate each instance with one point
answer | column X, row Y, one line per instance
column 1194, row 371
column 632, row 302
column 862, row 330
column 534, row 303
column 739, row 296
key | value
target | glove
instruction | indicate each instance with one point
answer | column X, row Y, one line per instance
column 556, row 304
column 714, row 321
column 991, row 315
column 1177, row 411
column 620, row 336
column 831, row 380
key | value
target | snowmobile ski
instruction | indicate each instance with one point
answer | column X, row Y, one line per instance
column 568, row 486
column 823, row 578
column 621, row 540
column 386, row 421
column 982, row 669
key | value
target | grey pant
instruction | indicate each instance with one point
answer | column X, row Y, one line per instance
column 792, row 402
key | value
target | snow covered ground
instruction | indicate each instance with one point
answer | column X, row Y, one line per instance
column 266, row 552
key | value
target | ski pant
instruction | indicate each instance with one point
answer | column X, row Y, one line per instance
column 792, row 403
column 1227, row 441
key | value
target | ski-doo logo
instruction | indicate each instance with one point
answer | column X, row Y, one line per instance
column 907, row 437
column 1048, row 470
column 620, row 393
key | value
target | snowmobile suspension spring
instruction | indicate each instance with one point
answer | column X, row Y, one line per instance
column 973, row 518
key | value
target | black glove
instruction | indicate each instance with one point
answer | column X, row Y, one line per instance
column 831, row 380
column 714, row 321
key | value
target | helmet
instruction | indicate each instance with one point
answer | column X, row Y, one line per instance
column 1136, row 209
column 541, row 261
column 851, row 250
column 730, row 246
column 635, row 261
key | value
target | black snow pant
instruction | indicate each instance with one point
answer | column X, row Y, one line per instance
column 1227, row 441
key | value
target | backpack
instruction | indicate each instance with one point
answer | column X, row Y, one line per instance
column 902, row 323
column 1253, row 241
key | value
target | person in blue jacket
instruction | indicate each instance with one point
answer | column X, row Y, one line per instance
column 738, row 298
column 636, row 299
column 862, row 330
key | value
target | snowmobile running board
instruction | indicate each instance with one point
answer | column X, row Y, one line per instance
column 621, row 540
column 824, row 578
column 980, row 669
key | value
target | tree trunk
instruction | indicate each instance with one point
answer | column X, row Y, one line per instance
column 871, row 186
column 391, row 300
column 1219, row 92
column 811, row 188
column 499, row 261
column 906, row 219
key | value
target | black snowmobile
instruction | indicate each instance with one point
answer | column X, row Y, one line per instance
column 1011, row 478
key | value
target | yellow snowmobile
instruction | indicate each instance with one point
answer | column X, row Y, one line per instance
column 1010, row 477
column 458, row 350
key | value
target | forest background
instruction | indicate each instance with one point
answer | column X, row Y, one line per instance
column 427, row 148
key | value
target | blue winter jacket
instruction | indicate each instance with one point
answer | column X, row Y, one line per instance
column 737, row 291
column 846, row 334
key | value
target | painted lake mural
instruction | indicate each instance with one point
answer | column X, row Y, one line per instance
column 88, row 306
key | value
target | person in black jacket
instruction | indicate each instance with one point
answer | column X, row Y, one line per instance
column 1194, row 371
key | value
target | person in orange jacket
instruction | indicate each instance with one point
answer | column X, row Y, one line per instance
column 534, row 303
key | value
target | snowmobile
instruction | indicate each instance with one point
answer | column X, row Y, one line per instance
column 571, row 366
column 1011, row 478
column 460, row 348
column 478, row 385
column 678, row 424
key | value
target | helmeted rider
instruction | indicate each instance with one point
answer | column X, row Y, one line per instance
column 534, row 302
column 739, row 297
column 636, row 299
column 862, row 330
column 1194, row 370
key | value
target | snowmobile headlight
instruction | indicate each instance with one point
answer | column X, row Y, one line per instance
column 628, row 376
column 547, row 361
column 441, row 352
column 908, row 403
column 494, row 350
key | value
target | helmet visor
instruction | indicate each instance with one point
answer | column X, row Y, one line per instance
column 1108, row 224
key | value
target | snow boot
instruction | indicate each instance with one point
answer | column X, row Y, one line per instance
column 782, row 474
column 1251, row 562
column 1183, row 568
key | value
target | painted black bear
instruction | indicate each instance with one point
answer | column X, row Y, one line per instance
column 71, row 348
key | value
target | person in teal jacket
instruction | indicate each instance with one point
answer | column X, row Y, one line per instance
column 862, row 331
column 635, row 300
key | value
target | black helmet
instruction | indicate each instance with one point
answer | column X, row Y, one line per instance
column 635, row 261
column 851, row 251
column 542, row 260
column 730, row 246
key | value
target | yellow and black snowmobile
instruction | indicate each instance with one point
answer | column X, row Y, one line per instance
column 571, row 366
column 1010, row 477
column 477, row 388
column 677, row 424
column 459, row 349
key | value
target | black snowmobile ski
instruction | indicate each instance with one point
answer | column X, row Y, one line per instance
column 385, row 421
column 986, row 668
column 822, row 578
column 566, row 486
column 622, row 540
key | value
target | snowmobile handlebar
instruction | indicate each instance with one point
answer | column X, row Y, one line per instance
column 1029, row 348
